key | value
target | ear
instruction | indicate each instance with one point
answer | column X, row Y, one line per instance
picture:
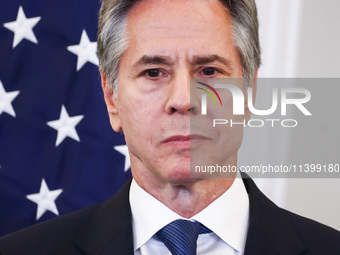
column 111, row 103
column 253, row 86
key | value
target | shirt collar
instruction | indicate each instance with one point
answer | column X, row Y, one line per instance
column 148, row 215
column 227, row 216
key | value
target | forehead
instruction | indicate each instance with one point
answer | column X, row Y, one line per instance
column 185, row 20
column 178, row 11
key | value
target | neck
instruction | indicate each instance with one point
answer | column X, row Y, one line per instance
column 187, row 198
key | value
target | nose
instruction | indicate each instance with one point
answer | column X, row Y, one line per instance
column 179, row 96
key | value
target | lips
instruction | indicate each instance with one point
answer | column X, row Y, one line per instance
column 183, row 139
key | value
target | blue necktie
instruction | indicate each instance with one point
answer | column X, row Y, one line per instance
column 180, row 236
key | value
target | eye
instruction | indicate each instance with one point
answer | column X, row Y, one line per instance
column 209, row 71
column 153, row 73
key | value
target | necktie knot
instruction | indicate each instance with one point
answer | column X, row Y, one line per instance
column 180, row 236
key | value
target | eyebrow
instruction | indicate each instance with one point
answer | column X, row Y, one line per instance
column 196, row 60
column 203, row 60
column 154, row 60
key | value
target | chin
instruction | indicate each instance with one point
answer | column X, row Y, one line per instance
column 180, row 175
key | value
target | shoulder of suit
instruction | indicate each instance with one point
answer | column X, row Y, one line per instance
column 282, row 228
column 316, row 237
column 314, row 232
column 58, row 236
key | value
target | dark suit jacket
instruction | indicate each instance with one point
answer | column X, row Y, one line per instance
column 105, row 229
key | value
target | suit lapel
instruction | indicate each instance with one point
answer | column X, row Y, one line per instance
column 270, row 228
column 109, row 231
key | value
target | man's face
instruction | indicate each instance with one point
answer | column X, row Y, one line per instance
column 169, row 43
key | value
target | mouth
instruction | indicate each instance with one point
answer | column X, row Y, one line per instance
column 183, row 140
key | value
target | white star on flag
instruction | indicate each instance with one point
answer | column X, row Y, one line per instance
column 6, row 99
column 85, row 50
column 123, row 149
column 45, row 199
column 22, row 28
column 66, row 126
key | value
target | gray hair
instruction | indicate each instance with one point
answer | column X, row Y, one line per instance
column 113, row 41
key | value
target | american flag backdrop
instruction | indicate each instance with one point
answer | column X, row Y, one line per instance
column 58, row 152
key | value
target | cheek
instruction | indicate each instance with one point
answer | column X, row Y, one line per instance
column 139, row 119
column 144, row 103
column 134, row 128
column 133, row 116
column 230, row 136
column 229, row 128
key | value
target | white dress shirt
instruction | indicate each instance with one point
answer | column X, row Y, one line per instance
column 227, row 217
